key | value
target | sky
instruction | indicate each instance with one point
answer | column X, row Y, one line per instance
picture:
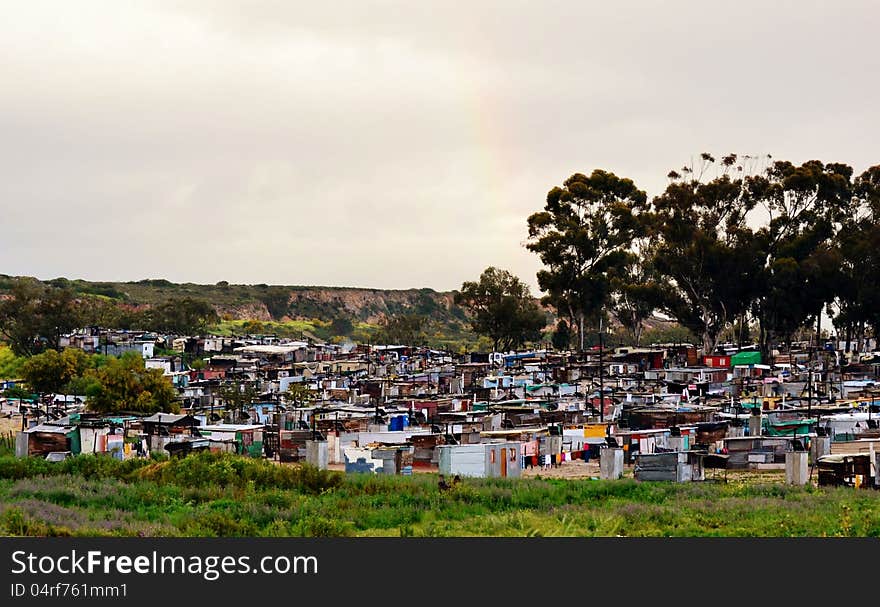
column 388, row 144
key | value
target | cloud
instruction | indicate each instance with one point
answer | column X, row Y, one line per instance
column 387, row 144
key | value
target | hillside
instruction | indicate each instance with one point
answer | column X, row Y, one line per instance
column 289, row 310
column 276, row 302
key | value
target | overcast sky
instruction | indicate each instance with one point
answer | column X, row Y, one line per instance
column 388, row 144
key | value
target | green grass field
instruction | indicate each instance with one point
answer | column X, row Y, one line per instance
column 211, row 495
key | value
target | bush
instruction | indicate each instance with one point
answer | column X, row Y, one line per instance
column 88, row 466
column 319, row 526
column 227, row 470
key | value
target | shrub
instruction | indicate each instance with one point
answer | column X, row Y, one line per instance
column 227, row 470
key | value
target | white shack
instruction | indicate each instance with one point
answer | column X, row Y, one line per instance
column 481, row 460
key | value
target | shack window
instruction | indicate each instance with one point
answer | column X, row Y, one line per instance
column 513, row 455
column 492, row 456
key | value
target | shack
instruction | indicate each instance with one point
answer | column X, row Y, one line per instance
column 46, row 438
column 396, row 459
column 425, row 452
column 484, row 460
column 745, row 451
column 163, row 428
column 360, row 460
column 679, row 438
column 845, row 470
column 292, row 444
column 676, row 466
column 248, row 439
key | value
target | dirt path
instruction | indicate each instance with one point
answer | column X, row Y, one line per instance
column 581, row 470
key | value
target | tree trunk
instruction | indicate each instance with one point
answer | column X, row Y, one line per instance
column 708, row 343
column 763, row 342
column 581, row 330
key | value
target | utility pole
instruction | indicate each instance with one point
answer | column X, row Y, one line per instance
column 809, row 381
column 601, row 377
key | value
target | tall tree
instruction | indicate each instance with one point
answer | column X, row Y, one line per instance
column 185, row 316
column 561, row 339
column 585, row 229
column 406, row 329
column 35, row 316
column 237, row 395
column 299, row 394
column 502, row 308
column 859, row 248
column 806, row 206
column 636, row 292
column 705, row 249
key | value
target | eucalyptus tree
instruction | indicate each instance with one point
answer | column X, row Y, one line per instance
column 502, row 308
column 806, row 206
column 583, row 233
column 704, row 247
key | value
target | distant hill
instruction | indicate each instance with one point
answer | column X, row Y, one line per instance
column 276, row 302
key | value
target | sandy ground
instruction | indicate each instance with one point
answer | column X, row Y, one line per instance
column 8, row 424
column 573, row 469
column 581, row 470
column 590, row 470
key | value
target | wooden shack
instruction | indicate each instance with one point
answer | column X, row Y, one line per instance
column 748, row 451
column 846, row 470
column 46, row 438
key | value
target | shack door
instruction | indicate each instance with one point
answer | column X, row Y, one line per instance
column 503, row 462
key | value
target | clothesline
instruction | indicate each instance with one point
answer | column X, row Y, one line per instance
column 554, row 459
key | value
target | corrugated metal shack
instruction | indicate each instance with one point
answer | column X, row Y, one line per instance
column 292, row 444
column 425, row 452
column 396, row 459
column 486, row 460
column 646, row 418
column 677, row 466
column 745, row 451
column 46, row 438
column 248, row 439
column 846, row 470
column 680, row 438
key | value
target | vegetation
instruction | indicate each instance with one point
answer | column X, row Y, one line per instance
column 53, row 371
column 723, row 246
column 184, row 316
column 35, row 316
column 406, row 329
column 502, row 308
column 227, row 495
column 10, row 364
column 581, row 236
column 112, row 384
column 125, row 384
column 236, row 396
column 321, row 313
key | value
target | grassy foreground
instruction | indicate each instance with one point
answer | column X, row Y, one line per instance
column 223, row 495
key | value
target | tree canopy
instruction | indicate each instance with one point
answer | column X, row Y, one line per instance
column 705, row 250
column 502, row 309
column 35, row 316
column 53, row 371
column 724, row 242
column 405, row 329
column 125, row 384
column 582, row 233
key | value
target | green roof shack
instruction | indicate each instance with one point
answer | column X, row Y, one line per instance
column 745, row 358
